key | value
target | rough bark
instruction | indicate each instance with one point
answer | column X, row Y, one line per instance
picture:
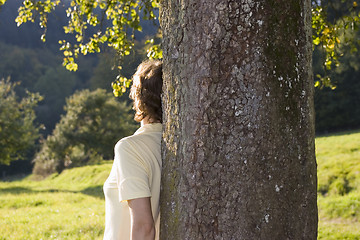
column 238, row 149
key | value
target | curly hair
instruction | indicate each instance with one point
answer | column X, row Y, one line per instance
column 146, row 91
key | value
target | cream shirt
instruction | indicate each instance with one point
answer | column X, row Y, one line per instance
column 135, row 173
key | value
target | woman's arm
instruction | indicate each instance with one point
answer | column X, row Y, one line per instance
column 142, row 222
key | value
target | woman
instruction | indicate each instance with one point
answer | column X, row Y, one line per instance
column 132, row 189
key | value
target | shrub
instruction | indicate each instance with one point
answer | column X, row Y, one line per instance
column 17, row 129
column 87, row 133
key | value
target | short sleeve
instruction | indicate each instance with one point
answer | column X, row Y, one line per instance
column 132, row 174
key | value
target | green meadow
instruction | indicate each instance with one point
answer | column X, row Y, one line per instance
column 65, row 206
column 338, row 158
column 70, row 205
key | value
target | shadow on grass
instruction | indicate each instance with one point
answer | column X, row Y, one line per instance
column 11, row 178
column 337, row 133
column 95, row 191
column 15, row 190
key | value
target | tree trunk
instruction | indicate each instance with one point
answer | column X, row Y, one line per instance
column 238, row 149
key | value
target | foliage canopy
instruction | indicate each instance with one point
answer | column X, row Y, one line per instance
column 334, row 23
column 93, row 23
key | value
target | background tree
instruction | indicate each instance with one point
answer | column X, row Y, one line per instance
column 18, row 131
column 338, row 109
column 40, row 70
column 238, row 152
column 93, row 123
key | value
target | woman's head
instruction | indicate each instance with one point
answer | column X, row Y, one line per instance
column 146, row 91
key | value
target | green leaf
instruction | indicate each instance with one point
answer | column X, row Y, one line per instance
column 316, row 41
column 43, row 37
column 317, row 84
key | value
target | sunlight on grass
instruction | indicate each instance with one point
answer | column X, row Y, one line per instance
column 65, row 206
column 338, row 158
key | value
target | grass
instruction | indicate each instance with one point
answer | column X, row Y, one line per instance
column 65, row 206
column 338, row 158
column 71, row 205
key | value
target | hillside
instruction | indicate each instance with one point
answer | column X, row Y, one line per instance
column 71, row 205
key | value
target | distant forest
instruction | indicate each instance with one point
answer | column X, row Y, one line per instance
column 37, row 65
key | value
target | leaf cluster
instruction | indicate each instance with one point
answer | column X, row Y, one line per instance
column 113, row 21
column 93, row 24
column 328, row 32
column 154, row 50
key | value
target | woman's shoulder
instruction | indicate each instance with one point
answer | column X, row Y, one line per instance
column 124, row 142
column 130, row 141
